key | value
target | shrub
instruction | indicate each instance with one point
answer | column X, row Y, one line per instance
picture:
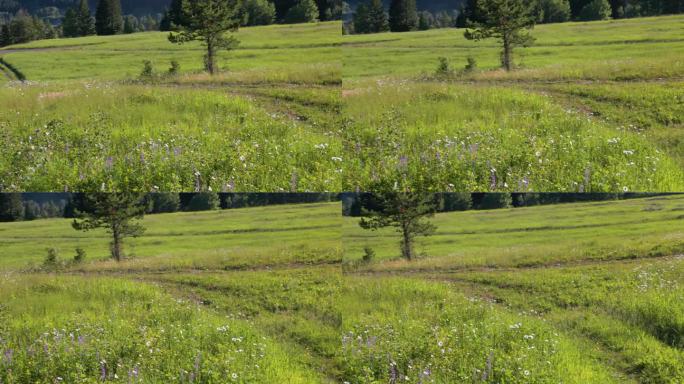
column 471, row 65
column 148, row 70
column 368, row 254
column 443, row 68
column 80, row 255
column 305, row 11
column 175, row 68
column 51, row 258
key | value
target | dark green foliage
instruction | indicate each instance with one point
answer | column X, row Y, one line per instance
column 108, row 19
column 5, row 38
column 554, row 11
column 80, row 255
column 595, row 10
column 471, row 65
column 70, row 26
column 370, row 17
column 24, row 28
column 305, row 11
column 425, row 20
column 51, row 258
column 204, row 201
column 147, row 71
column 449, row 202
column 11, row 207
column 85, row 21
column 130, row 24
column 407, row 212
column 118, row 213
column 443, row 68
column 403, row 15
column 257, row 12
column 174, row 69
column 208, row 21
column 506, row 20
column 163, row 202
column 368, row 254
column 496, row 201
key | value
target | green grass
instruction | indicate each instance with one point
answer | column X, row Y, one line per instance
column 86, row 330
column 264, row 54
column 270, row 122
column 228, row 239
column 591, row 292
column 599, row 99
column 531, row 236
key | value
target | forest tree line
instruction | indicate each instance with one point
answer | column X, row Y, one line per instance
column 21, row 207
column 371, row 16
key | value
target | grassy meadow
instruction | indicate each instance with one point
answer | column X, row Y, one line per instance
column 573, row 293
column 85, row 121
column 242, row 295
column 592, row 107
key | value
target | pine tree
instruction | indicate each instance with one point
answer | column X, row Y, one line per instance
column 70, row 27
column 208, row 21
column 108, row 19
column 115, row 212
column 305, row 11
column 85, row 21
column 377, row 17
column 5, row 35
column 403, row 15
column 405, row 211
column 507, row 20
column 360, row 19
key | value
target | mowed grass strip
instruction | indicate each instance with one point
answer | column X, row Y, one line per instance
column 531, row 236
column 228, row 239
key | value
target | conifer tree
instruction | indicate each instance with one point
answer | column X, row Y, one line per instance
column 85, row 21
column 108, row 19
column 506, row 20
column 377, row 17
column 208, row 21
column 70, row 27
column 403, row 15
column 118, row 213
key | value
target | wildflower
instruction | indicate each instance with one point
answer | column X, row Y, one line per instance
column 234, row 376
column 336, row 158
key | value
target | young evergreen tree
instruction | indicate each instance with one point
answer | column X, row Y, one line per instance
column 377, row 17
column 208, row 21
column 85, row 21
column 5, row 35
column 403, row 15
column 108, row 19
column 407, row 212
column 118, row 213
column 361, row 20
column 70, row 27
column 506, row 20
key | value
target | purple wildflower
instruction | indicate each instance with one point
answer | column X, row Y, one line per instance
column 8, row 356
column 403, row 161
column 109, row 163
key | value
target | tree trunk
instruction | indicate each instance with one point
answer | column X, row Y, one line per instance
column 211, row 53
column 507, row 52
column 116, row 244
column 406, row 244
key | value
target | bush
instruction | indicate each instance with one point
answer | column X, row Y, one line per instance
column 257, row 12
column 443, row 68
column 368, row 254
column 51, row 258
column 204, row 201
column 175, row 68
column 471, row 65
column 148, row 70
column 595, row 10
column 80, row 255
